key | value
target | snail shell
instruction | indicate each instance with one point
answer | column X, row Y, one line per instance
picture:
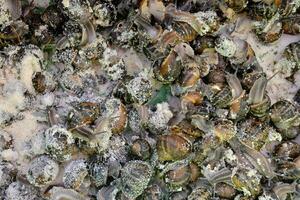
column 172, row 147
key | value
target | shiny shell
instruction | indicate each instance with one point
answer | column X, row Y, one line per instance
column 185, row 31
column 169, row 69
column 261, row 109
column 75, row 173
column 172, row 147
column 135, row 177
column 84, row 113
column 191, row 75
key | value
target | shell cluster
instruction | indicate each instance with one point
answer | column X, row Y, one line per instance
column 149, row 99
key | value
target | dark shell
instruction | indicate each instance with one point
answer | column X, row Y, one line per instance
column 287, row 150
column 39, row 82
column 222, row 98
column 254, row 132
column 98, row 172
column 249, row 79
column 237, row 5
column 185, row 31
column 141, row 148
column 84, row 113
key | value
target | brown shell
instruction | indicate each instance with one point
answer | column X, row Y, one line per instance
column 287, row 149
column 194, row 98
column 172, row 147
column 120, row 124
column 191, row 76
column 226, row 191
column 179, row 176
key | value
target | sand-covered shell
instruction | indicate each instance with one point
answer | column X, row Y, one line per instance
column 42, row 170
column 135, row 177
column 140, row 88
column 75, row 173
column 20, row 191
column 59, row 143
column 98, row 171
column 226, row 191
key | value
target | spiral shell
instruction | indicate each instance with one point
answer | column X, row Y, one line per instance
column 284, row 115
